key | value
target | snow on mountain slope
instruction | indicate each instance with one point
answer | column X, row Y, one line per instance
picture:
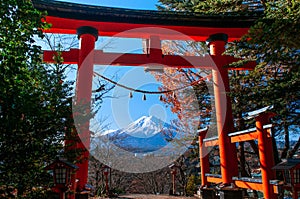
column 145, row 127
column 147, row 134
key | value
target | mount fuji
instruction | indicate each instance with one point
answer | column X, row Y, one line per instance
column 147, row 134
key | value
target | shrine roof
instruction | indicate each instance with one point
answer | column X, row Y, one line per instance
column 287, row 164
column 122, row 15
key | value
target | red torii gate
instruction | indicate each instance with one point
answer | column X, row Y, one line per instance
column 90, row 21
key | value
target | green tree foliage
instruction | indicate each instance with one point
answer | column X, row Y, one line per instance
column 274, row 42
column 209, row 6
column 191, row 186
column 35, row 108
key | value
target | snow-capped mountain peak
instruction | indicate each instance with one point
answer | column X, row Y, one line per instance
column 146, row 134
column 144, row 127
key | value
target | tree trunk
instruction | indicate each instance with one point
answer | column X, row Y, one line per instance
column 286, row 142
column 254, row 146
column 295, row 148
column 241, row 148
column 275, row 150
column 242, row 160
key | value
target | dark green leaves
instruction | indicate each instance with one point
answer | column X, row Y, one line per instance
column 34, row 107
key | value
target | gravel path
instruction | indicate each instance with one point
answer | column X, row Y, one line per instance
column 141, row 196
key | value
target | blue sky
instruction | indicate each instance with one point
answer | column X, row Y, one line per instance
column 134, row 4
column 120, row 110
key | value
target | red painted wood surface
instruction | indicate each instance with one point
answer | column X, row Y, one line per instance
column 69, row 26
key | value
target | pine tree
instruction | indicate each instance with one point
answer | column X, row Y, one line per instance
column 35, row 105
column 274, row 42
column 191, row 186
column 211, row 6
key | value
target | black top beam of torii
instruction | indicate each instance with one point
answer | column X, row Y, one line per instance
column 67, row 17
column 153, row 17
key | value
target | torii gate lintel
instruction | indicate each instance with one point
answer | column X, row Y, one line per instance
column 153, row 55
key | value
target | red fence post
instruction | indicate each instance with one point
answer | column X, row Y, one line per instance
column 204, row 157
column 265, row 155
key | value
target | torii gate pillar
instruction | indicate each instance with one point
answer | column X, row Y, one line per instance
column 228, row 155
column 88, row 36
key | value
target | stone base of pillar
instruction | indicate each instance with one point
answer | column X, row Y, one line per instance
column 208, row 193
column 81, row 196
column 231, row 194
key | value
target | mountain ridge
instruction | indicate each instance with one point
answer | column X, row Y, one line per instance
column 146, row 134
